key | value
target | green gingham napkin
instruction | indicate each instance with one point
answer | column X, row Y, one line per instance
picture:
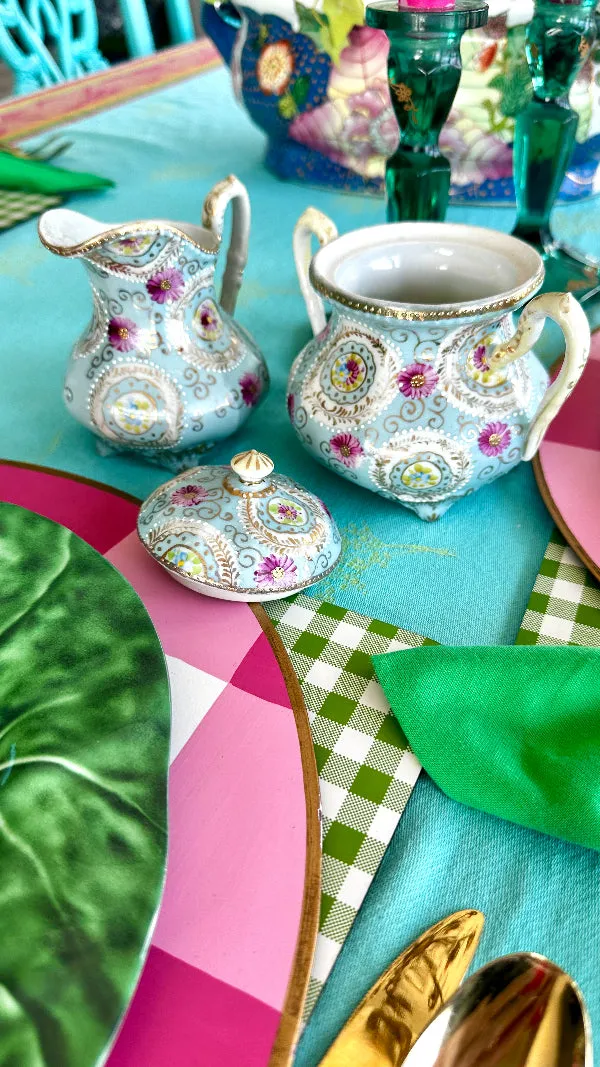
column 366, row 769
column 17, row 206
column 564, row 607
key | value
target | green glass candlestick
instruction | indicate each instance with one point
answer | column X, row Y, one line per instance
column 559, row 39
column 424, row 71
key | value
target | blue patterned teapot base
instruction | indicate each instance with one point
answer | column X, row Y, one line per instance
column 289, row 160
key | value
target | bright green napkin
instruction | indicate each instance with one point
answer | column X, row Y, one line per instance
column 30, row 175
column 514, row 732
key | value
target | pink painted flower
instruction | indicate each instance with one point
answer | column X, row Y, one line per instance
column 276, row 570
column 189, row 495
column 476, row 156
column 479, row 358
column 208, row 321
column 371, row 128
column 136, row 243
column 494, row 438
column 291, row 406
column 354, row 132
column 122, row 334
column 356, row 125
column 352, row 370
column 417, row 380
column 165, row 286
column 250, row 386
column 275, row 67
column 287, row 512
column 347, row 449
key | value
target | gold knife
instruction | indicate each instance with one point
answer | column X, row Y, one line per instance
column 404, row 1000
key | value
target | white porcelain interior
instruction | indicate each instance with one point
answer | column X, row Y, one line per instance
column 427, row 264
column 63, row 229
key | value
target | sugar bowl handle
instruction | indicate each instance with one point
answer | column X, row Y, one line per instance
column 567, row 313
column 230, row 191
column 312, row 223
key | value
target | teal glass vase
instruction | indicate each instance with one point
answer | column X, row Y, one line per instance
column 424, row 69
column 559, row 39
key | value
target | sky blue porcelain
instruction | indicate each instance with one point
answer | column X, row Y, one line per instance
column 240, row 532
column 162, row 369
column 418, row 386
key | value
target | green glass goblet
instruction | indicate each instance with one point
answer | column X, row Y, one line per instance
column 424, row 70
column 559, row 39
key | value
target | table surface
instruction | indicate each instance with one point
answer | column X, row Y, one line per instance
column 464, row 580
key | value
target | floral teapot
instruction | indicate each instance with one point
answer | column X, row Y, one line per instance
column 418, row 387
column 162, row 369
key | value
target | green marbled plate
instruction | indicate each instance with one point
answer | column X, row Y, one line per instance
column 84, row 745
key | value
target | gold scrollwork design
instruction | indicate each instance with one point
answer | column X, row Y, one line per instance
column 301, row 540
column 205, row 535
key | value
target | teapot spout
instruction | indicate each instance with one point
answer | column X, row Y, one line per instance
column 66, row 232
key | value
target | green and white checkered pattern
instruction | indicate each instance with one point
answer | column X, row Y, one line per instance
column 366, row 769
column 564, row 607
column 17, row 206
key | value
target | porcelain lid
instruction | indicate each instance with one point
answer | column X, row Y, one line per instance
column 240, row 529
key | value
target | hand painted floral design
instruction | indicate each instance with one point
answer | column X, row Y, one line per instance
column 189, row 495
column 287, row 512
column 346, row 448
column 421, row 475
column 166, row 285
column 476, row 156
column 291, row 406
column 134, row 245
column 494, row 438
column 356, row 126
column 479, row 358
column 348, row 372
column 417, row 380
column 275, row 67
column 251, row 389
column 276, row 570
column 122, row 334
column 135, row 412
column 186, row 560
column 207, row 320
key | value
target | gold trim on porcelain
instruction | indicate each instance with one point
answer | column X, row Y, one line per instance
column 448, row 311
column 285, row 590
column 250, row 491
column 118, row 233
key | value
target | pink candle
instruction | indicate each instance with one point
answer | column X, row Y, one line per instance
column 426, row 5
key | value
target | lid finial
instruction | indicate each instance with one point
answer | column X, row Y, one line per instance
column 252, row 466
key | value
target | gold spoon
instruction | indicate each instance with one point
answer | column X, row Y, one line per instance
column 517, row 1011
column 407, row 996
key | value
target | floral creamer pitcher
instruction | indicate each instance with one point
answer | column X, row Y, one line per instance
column 162, row 368
column 418, row 386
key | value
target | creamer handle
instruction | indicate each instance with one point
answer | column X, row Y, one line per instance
column 312, row 223
column 567, row 313
column 230, row 190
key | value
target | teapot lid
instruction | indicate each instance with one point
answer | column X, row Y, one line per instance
column 239, row 532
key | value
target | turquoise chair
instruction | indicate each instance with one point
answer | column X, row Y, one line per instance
column 136, row 25
column 45, row 42
column 48, row 41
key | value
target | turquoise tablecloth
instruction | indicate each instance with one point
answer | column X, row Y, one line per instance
column 464, row 580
